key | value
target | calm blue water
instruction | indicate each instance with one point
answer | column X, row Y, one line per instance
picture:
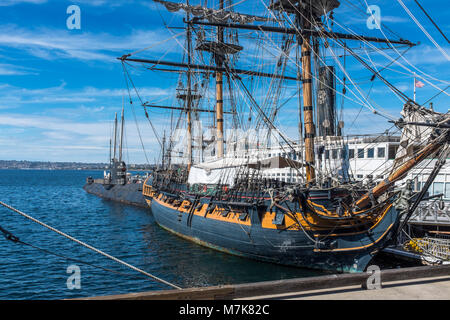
column 126, row 232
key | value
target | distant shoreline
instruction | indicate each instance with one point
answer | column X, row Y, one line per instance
column 48, row 165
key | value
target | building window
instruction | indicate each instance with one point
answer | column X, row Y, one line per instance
column 351, row 153
column 370, row 152
column 381, row 152
column 438, row 188
column 360, row 153
column 447, row 190
column 327, row 154
column 392, row 151
column 334, row 154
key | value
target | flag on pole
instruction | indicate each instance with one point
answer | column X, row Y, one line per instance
column 418, row 84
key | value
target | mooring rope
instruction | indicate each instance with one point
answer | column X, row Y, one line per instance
column 9, row 236
column 88, row 246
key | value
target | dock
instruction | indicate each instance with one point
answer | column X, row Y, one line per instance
column 425, row 282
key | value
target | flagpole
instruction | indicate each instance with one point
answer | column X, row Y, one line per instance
column 414, row 87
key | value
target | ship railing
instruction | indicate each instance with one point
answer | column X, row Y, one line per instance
column 432, row 213
column 435, row 247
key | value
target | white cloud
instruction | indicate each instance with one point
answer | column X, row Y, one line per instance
column 36, row 135
column 52, row 44
column 13, row 70
column 5, row 3
column 14, row 96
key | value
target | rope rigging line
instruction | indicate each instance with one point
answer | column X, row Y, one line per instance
column 423, row 30
column 403, row 58
column 127, row 76
column 9, row 236
column 365, row 64
column 443, row 90
column 87, row 245
column 390, row 58
column 432, row 21
column 365, row 103
column 361, row 102
column 322, row 61
column 155, row 44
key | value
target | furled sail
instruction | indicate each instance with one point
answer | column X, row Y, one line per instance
column 318, row 7
column 212, row 15
column 413, row 135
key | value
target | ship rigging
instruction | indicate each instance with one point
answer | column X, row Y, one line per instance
column 325, row 219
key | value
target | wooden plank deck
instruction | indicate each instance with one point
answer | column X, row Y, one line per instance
column 435, row 280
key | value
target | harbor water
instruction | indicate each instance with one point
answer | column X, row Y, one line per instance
column 126, row 232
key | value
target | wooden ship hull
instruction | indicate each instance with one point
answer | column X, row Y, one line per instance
column 258, row 233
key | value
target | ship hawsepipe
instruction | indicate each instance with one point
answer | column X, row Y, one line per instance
column 264, row 232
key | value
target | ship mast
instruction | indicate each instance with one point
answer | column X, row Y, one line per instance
column 163, row 150
column 121, row 134
column 219, row 93
column 306, row 13
column 115, row 136
column 110, row 159
column 189, row 94
column 308, row 116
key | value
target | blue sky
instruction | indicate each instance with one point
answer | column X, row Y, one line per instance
column 59, row 88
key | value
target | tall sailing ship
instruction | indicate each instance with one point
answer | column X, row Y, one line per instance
column 324, row 218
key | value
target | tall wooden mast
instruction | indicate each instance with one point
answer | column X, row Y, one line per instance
column 308, row 116
column 219, row 94
column 189, row 93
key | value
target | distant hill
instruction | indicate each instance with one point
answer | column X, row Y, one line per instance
column 46, row 165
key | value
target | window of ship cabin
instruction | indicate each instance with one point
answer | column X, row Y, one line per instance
column 381, row 152
column 438, row 187
column 447, row 190
column 391, row 152
column 370, row 152
column 334, row 153
column 360, row 153
column 351, row 153
column 359, row 176
column 327, row 154
column 430, row 188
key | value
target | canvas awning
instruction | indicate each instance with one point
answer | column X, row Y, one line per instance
column 277, row 162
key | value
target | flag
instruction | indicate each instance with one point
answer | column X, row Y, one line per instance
column 418, row 84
